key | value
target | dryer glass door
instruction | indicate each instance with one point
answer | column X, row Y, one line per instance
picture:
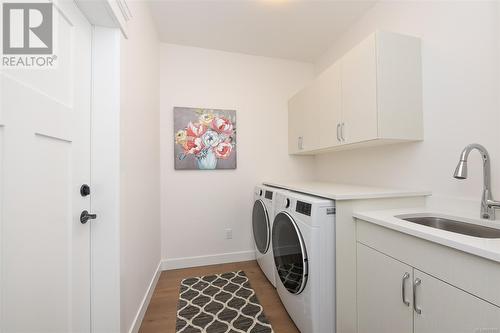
column 261, row 227
column 290, row 255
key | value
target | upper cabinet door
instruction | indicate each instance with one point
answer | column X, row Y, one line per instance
column 384, row 293
column 300, row 122
column 446, row 309
column 315, row 114
column 359, row 92
column 296, row 118
column 328, row 112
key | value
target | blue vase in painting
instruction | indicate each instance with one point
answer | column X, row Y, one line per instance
column 208, row 162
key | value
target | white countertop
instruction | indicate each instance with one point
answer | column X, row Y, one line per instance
column 483, row 247
column 337, row 191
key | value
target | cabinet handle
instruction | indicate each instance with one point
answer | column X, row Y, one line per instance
column 300, row 142
column 338, row 132
column 415, row 285
column 342, row 132
column 406, row 276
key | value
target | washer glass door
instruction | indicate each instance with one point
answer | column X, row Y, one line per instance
column 261, row 226
column 290, row 255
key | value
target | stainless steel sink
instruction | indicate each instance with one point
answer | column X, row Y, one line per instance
column 459, row 227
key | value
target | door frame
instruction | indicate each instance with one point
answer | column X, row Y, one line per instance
column 108, row 19
column 105, row 180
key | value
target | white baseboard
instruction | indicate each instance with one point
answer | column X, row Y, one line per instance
column 136, row 324
column 212, row 259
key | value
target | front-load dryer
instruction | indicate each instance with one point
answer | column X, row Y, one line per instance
column 262, row 223
column 303, row 239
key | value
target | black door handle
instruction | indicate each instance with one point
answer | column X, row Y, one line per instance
column 85, row 216
column 84, row 190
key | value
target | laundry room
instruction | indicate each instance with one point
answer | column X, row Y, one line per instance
column 252, row 166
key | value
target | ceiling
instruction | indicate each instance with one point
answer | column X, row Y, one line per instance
column 290, row 29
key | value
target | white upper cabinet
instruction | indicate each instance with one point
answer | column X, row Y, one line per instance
column 371, row 96
column 328, row 114
column 314, row 114
column 359, row 93
column 297, row 125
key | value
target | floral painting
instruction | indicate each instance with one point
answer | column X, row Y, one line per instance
column 205, row 139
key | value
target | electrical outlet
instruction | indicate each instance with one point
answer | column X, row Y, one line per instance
column 229, row 233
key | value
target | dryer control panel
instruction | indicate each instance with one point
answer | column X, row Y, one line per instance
column 303, row 208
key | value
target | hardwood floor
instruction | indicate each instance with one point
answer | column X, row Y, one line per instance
column 161, row 313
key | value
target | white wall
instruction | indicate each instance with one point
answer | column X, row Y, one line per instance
column 140, row 161
column 198, row 205
column 461, row 91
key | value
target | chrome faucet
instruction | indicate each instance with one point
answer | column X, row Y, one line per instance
column 488, row 205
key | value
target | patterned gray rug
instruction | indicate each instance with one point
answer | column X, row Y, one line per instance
column 221, row 303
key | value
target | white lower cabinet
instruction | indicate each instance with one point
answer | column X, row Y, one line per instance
column 393, row 297
column 384, row 293
column 446, row 309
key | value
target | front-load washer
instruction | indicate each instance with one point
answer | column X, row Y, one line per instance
column 303, row 239
column 262, row 223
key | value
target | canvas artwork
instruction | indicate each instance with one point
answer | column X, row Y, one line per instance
column 205, row 139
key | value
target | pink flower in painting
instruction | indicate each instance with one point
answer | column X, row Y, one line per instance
column 222, row 125
column 223, row 150
column 193, row 146
column 195, row 130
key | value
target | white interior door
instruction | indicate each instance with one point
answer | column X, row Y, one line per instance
column 45, row 158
